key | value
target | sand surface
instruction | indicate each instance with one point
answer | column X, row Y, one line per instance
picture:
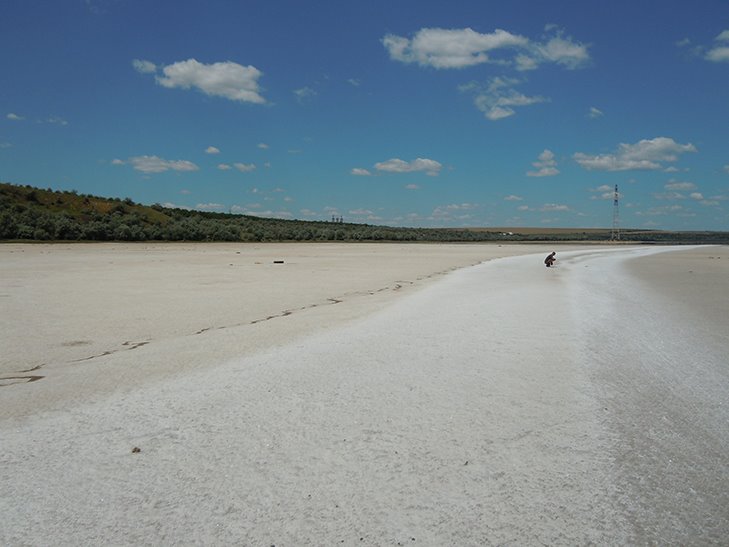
column 499, row 403
column 93, row 318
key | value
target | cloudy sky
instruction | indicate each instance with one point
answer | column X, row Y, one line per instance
column 398, row 112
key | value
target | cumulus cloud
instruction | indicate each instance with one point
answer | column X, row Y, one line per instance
column 361, row 212
column 660, row 211
column 720, row 52
column 673, row 185
column 546, row 165
column 396, row 165
column 512, row 197
column 605, row 192
column 459, row 48
column 304, row 94
column 245, row 167
column 645, row 155
column 498, row 98
column 144, row 67
column 669, row 196
column 459, row 211
column 595, row 113
column 263, row 146
column 212, row 150
column 224, row 167
column 450, row 48
column 117, row 161
column 225, row 79
column 562, row 51
column 154, row 164
column 553, row 207
column 56, row 120
column 360, row 172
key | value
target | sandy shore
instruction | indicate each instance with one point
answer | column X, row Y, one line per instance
column 499, row 403
column 92, row 318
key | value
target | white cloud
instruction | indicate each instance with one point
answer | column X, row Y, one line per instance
column 245, row 167
column 512, row 197
column 449, row 48
column 660, row 211
column 459, row 48
column 226, row 79
column 646, row 154
column 154, row 164
column 546, row 165
column 263, row 146
column 604, row 196
column 595, row 113
column 498, row 98
column 673, row 185
column 563, row 51
column 361, row 212
column 669, row 196
column 726, row 168
column 304, row 94
column 144, row 67
column 696, row 195
column 395, row 165
column 720, row 53
column 360, row 172
column 5, row 144
column 354, row 81
column 212, row 150
column 523, row 208
column 57, row 120
column 458, row 211
column 412, row 187
column 685, row 42
column 605, row 192
column 553, row 207
column 117, row 161
column 224, row 167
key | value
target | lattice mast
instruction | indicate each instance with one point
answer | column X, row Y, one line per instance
column 615, row 232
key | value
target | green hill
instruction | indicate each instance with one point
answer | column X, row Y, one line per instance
column 28, row 213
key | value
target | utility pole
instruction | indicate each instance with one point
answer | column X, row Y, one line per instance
column 615, row 232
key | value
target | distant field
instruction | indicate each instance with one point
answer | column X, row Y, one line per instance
column 540, row 230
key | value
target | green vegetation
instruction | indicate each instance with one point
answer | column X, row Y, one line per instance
column 28, row 213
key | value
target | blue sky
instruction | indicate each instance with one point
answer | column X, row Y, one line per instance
column 397, row 112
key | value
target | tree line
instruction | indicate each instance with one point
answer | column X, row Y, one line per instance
column 29, row 213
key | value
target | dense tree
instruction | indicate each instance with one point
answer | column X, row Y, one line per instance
column 28, row 213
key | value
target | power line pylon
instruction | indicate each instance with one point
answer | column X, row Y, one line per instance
column 615, row 232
